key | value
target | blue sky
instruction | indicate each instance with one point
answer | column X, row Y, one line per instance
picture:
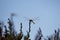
column 47, row 10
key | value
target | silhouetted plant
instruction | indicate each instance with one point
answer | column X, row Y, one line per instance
column 0, row 33
column 56, row 36
column 28, row 32
column 6, row 33
column 11, row 34
column 49, row 38
column 19, row 37
column 39, row 35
